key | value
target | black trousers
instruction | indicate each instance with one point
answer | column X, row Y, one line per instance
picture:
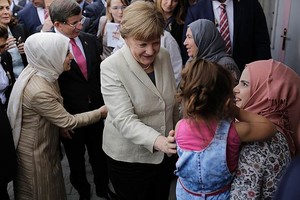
column 90, row 138
column 7, row 153
column 140, row 181
column 7, row 150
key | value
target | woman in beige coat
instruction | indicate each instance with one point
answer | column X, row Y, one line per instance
column 36, row 113
column 138, row 87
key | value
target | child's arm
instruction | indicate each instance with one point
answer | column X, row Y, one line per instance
column 252, row 127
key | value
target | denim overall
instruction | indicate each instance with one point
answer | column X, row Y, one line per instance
column 204, row 174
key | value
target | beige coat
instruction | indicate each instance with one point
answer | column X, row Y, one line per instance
column 138, row 111
column 39, row 175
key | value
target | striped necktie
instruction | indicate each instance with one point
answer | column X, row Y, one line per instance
column 224, row 28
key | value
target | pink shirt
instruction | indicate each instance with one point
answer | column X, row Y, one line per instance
column 197, row 136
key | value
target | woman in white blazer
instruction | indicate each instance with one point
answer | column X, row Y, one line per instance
column 138, row 87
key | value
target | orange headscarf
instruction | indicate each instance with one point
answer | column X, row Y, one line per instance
column 275, row 94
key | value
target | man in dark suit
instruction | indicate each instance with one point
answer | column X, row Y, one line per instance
column 81, row 93
column 250, row 35
column 82, row 4
column 94, row 11
column 32, row 16
column 16, row 6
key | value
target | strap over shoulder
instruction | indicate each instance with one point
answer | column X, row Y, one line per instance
column 102, row 23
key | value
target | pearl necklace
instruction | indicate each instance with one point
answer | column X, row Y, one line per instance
column 145, row 68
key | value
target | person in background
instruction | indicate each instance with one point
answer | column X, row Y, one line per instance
column 289, row 183
column 114, row 14
column 203, row 41
column 168, row 41
column 207, row 137
column 7, row 148
column 94, row 11
column 33, row 15
column 174, row 14
column 138, row 88
column 16, row 38
column 271, row 89
column 248, row 31
column 82, row 4
column 36, row 112
column 16, row 6
column 80, row 89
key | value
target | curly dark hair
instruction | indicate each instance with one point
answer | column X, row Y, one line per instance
column 206, row 90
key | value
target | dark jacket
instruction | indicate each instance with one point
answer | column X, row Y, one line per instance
column 7, row 149
column 18, row 31
column 94, row 11
column 81, row 95
column 28, row 16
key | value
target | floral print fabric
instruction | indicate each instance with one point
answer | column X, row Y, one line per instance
column 261, row 166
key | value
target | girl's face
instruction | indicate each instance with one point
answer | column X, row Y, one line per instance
column 116, row 10
column 190, row 44
column 169, row 6
column 144, row 52
column 68, row 60
column 242, row 90
column 5, row 14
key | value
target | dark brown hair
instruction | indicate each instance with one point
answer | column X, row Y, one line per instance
column 178, row 13
column 205, row 90
column 3, row 31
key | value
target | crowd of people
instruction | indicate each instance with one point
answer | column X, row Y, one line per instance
column 170, row 99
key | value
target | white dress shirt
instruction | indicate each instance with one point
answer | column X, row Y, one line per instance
column 229, row 10
column 4, row 82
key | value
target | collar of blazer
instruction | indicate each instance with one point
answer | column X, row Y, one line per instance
column 134, row 66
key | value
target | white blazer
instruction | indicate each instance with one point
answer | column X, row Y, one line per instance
column 138, row 111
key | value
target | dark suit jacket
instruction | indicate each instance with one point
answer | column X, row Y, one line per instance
column 251, row 40
column 29, row 17
column 85, row 4
column 94, row 11
column 19, row 31
column 7, row 148
column 18, row 7
column 81, row 95
column 289, row 185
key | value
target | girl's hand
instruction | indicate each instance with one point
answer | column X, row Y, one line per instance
column 11, row 43
column 21, row 48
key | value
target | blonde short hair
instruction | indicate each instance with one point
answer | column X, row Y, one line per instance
column 142, row 21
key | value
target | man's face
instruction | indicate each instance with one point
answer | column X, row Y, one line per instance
column 72, row 27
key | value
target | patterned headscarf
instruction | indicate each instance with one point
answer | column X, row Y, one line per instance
column 275, row 94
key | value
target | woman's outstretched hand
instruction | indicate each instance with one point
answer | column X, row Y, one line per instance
column 166, row 144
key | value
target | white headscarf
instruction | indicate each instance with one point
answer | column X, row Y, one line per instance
column 46, row 53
